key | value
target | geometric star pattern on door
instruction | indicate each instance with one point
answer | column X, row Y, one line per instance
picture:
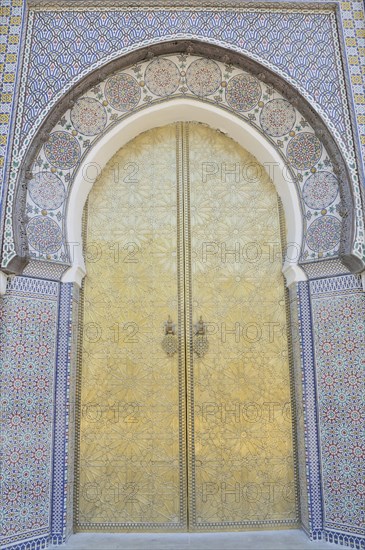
column 184, row 223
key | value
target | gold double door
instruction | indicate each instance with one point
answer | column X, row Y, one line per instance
column 184, row 424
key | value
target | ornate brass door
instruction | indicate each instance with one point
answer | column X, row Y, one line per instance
column 184, row 407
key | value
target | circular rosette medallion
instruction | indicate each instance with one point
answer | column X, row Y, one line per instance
column 320, row 190
column 304, row 151
column 162, row 77
column 88, row 116
column 324, row 234
column 203, row 77
column 122, row 92
column 47, row 190
column 243, row 92
column 277, row 117
column 62, row 150
column 44, row 235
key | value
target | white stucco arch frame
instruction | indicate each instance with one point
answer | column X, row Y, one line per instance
column 161, row 114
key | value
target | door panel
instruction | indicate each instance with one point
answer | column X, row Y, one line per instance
column 183, row 222
column 241, row 454
column 132, row 415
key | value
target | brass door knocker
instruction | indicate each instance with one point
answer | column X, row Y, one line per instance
column 200, row 341
column 169, row 341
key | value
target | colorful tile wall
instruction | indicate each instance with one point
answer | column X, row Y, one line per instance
column 250, row 30
column 28, row 332
column 338, row 307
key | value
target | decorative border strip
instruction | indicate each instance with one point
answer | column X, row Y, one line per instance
column 299, row 414
column 335, row 284
column 268, row 5
column 352, row 15
column 30, row 544
column 61, row 416
column 347, row 540
column 32, row 287
column 311, row 435
column 325, row 268
column 14, row 12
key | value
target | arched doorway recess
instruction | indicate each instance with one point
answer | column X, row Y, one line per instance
column 185, row 406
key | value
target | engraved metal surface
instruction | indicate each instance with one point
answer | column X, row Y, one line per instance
column 131, row 471
column 240, row 450
column 183, row 222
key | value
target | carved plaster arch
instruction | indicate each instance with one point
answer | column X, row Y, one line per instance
column 349, row 251
column 182, row 109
